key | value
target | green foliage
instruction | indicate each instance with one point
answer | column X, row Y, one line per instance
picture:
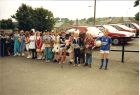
column 136, row 3
column 7, row 24
column 137, row 16
column 24, row 17
column 39, row 18
column 43, row 19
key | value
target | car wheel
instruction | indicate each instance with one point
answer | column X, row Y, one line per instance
column 115, row 41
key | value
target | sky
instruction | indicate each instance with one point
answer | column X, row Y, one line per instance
column 73, row 9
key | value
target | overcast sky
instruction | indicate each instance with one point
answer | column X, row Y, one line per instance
column 73, row 9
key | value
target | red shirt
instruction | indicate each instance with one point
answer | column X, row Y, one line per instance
column 39, row 43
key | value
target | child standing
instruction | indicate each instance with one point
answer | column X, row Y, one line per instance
column 105, row 48
column 76, row 45
column 89, row 43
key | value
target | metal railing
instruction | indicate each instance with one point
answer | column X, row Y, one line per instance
column 123, row 48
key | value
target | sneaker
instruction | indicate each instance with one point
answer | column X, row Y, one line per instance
column 23, row 54
column 100, row 67
column 19, row 54
column 46, row 61
column 39, row 57
column 79, row 64
column 29, row 57
column 74, row 65
column 59, row 62
column 15, row 55
column 85, row 64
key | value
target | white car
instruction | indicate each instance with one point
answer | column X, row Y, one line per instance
column 95, row 32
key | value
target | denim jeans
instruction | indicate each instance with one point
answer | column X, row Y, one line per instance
column 77, row 55
column 88, row 58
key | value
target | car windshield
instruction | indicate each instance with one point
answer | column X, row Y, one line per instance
column 70, row 30
column 125, row 27
column 94, row 30
column 110, row 28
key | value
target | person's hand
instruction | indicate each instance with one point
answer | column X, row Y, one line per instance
column 87, row 46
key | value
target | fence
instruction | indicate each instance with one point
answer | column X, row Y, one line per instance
column 123, row 48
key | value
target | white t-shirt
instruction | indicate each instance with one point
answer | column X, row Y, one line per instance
column 32, row 42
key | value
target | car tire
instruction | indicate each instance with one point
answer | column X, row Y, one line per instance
column 115, row 41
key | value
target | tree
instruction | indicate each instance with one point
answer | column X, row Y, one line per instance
column 7, row 24
column 136, row 3
column 24, row 17
column 137, row 16
column 43, row 19
column 39, row 18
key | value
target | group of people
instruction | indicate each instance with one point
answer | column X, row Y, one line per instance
column 55, row 46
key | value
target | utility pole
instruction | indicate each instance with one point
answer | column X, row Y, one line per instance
column 94, row 12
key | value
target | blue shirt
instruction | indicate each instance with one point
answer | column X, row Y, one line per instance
column 106, row 41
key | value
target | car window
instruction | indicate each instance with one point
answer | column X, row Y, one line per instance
column 117, row 27
column 101, row 28
column 110, row 28
column 95, row 30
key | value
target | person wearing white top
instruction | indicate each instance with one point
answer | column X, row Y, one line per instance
column 32, row 47
column 56, row 47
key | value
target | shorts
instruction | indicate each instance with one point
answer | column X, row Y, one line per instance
column 104, row 51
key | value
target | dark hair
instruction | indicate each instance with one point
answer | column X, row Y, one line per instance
column 31, row 32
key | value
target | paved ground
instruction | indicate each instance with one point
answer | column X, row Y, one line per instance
column 21, row 76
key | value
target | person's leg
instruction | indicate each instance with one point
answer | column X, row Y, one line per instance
column 18, row 48
column 75, row 57
column 78, row 56
column 102, row 59
column 32, row 52
column 49, row 54
column 106, row 58
column 45, row 53
column 86, row 63
column 15, row 49
column 90, row 60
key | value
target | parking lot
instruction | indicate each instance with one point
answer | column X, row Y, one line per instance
column 21, row 76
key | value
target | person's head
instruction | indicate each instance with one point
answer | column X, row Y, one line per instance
column 31, row 33
column 27, row 33
column 21, row 32
column 63, row 33
column 52, row 33
column 105, row 32
column 87, row 35
column 76, row 34
column 72, row 34
column 47, row 32
column 37, row 33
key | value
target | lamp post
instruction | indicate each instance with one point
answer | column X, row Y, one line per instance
column 94, row 12
column 94, row 19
